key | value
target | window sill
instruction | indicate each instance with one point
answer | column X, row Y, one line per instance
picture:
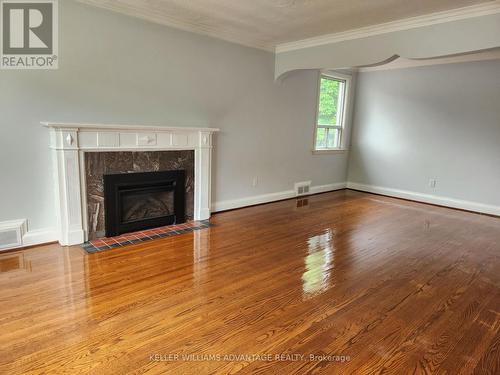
column 330, row 151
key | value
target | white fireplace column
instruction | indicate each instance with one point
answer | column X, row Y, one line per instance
column 70, row 141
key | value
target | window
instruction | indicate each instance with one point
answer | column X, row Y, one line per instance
column 330, row 118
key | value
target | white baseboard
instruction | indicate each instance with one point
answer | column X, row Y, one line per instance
column 25, row 237
column 272, row 197
column 39, row 236
column 427, row 198
column 330, row 187
column 250, row 201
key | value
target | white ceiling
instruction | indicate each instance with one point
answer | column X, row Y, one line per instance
column 267, row 23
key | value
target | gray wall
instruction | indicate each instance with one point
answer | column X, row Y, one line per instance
column 116, row 69
column 437, row 122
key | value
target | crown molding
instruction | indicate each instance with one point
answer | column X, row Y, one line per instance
column 166, row 20
column 400, row 25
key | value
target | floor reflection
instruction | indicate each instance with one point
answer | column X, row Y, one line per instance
column 201, row 253
column 13, row 262
column 318, row 265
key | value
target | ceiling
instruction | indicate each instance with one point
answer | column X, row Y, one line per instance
column 267, row 23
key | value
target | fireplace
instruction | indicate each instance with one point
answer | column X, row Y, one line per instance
column 79, row 174
column 137, row 201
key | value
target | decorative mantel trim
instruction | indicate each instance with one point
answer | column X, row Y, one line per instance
column 69, row 141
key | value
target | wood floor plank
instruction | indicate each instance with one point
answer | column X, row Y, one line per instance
column 396, row 286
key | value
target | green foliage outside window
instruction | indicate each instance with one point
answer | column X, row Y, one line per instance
column 328, row 102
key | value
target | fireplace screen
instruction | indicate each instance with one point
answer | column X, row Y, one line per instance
column 146, row 204
column 136, row 201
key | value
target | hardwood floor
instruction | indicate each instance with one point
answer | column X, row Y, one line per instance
column 392, row 286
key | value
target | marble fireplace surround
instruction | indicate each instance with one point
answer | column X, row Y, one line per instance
column 69, row 143
column 98, row 164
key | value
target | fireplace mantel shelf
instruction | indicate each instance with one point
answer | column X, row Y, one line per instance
column 84, row 126
column 70, row 140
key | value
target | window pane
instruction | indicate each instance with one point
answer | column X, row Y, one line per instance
column 333, row 138
column 321, row 138
column 329, row 111
column 327, row 138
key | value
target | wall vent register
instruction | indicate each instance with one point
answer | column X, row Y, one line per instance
column 302, row 188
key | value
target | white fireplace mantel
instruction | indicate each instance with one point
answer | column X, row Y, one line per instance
column 69, row 142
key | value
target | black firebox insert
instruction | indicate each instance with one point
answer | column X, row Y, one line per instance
column 137, row 201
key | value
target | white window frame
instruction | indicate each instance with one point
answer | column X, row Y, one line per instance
column 345, row 105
